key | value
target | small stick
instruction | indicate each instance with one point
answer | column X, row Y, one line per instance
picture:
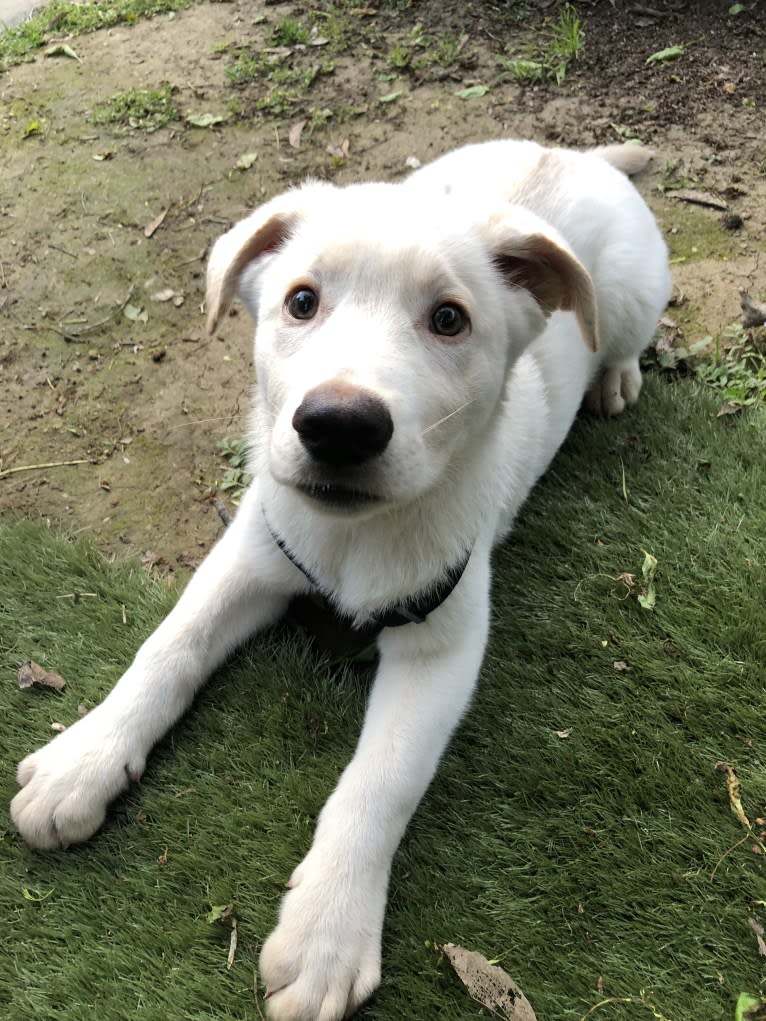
column 232, row 945
column 223, row 511
column 38, row 467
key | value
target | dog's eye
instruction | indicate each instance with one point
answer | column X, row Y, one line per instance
column 448, row 320
column 303, row 303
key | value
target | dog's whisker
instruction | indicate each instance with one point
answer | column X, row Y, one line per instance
column 199, row 421
column 451, row 414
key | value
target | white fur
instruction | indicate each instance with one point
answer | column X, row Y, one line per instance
column 476, row 420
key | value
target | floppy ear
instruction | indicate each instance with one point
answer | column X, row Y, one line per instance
column 540, row 261
column 265, row 231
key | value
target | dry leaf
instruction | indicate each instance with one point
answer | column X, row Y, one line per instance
column 758, row 930
column 165, row 295
column 155, row 224
column 563, row 734
column 58, row 727
column 488, row 984
column 62, row 50
column 621, row 665
column 31, row 673
column 339, row 151
column 294, row 137
column 734, row 790
column 246, row 161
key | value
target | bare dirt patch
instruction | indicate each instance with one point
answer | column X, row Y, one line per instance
column 103, row 355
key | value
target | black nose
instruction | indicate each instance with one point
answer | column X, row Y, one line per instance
column 343, row 425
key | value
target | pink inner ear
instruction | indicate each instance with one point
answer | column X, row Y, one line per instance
column 537, row 275
column 555, row 279
column 271, row 236
column 267, row 239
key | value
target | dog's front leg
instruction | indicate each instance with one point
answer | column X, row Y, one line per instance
column 323, row 959
column 242, row 586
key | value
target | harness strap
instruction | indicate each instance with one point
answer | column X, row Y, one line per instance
column 412, row 610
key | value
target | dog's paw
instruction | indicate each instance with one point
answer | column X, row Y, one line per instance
column 614, row 388
column 323, row 959
column 68, row 784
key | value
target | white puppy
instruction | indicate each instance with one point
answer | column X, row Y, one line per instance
column 421, row 352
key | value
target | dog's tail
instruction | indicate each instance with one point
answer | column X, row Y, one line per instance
column 627, row 157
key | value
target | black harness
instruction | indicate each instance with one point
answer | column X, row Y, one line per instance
column 308, row 612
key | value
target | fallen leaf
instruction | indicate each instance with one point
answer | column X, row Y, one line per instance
column 34, row 896
column 246, row 161
column 758, row 930
column 621, row 666
column 62, row 50
column 31, row 673
column 155, row 224
column 488, row 984
column 100, row 157
column 390, row 97
column 473, row 92
column 734, row 790
column 745, row 1006
column 669, row 53
column 204, row 120
column 648, row 597
column 165, row 295
column 563, row 734
column 58, row 727
column 135, row 314
column 339, row 151
column 219, row 912
column 294, row 137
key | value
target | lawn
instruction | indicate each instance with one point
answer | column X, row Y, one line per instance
column 580, row 828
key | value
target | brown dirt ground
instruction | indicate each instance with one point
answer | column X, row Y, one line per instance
column 144, row 404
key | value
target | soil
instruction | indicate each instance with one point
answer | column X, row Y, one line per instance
column 104, row 358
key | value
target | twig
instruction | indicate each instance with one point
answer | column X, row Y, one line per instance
column 58, row 248
column 39, row 467
column 232, row 945
column 727, row 853
column 74, row 337
column 223, row 511
column 638, row 1001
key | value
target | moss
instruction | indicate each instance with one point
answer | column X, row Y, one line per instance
column 694, row 232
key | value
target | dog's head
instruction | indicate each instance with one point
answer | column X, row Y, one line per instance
column 386, row 327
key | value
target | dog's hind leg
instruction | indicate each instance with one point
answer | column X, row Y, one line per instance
column 614, row 388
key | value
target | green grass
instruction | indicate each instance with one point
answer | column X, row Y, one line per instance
column 578, row 828
column 63, row 18
column 550, row 60
column 148, row 109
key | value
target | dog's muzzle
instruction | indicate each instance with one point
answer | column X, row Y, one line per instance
column 343, row 426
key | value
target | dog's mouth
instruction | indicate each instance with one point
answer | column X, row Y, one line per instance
column 337, row 497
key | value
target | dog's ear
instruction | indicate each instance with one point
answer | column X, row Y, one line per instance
column 262, row 233
column 540, row 261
